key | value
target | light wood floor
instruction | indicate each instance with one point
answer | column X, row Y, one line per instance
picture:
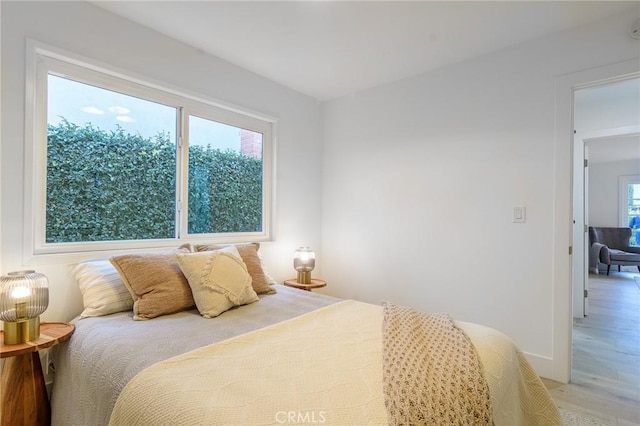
column 605, row 376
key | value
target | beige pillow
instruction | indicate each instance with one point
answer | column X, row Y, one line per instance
column 218, row 279
column 249, row 254
column 156, row 283
column 103, row 291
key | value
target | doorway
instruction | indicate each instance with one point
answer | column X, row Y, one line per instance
column 606, row 122
column 561, row 255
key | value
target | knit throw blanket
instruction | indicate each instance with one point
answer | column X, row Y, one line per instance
column 432, row 374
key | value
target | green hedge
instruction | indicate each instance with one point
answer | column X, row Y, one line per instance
column 108, row 186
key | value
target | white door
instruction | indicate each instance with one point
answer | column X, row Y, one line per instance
column 585, row 209
column 578, row 243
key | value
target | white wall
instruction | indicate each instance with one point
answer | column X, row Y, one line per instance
column 604, row 190
column 84, row 29
column 420, row 177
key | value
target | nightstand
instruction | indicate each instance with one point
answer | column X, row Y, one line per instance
column 24, row 395
column 315, row 283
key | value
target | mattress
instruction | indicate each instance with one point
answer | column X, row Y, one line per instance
column 104, row 353
column 293, row 357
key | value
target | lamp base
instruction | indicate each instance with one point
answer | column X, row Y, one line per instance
column 22, row 331
column 304, row 277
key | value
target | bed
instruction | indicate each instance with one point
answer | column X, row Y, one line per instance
column 290, row 357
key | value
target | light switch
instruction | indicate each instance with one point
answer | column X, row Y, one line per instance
column 519, row 214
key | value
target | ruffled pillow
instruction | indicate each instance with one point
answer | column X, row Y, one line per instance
column 219, row 280
column 249, row 254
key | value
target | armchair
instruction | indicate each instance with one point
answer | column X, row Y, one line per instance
column 611, row 247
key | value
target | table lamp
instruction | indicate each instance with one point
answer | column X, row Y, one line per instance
column 304, row 260
column 24, row 295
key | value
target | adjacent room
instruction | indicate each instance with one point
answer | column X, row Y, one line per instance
column 605, row 356
column 266, row 183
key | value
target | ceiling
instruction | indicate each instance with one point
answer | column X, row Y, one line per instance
column 328, row 49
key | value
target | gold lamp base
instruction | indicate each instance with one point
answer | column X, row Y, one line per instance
column 304, row 277
column 21, row 331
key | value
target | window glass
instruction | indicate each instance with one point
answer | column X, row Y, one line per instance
column 633, row 211
column 225, row 178
column 111, row 165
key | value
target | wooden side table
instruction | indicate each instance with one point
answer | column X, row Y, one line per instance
column 24, row 395
column 315, row 283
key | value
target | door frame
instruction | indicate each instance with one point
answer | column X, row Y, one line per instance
column 562, row 277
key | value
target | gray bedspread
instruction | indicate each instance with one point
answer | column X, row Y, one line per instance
column 106, row 352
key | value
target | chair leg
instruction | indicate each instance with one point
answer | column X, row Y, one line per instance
column 638, row 268
column 618, row 268
column 608, row 268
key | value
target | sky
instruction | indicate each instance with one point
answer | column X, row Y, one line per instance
column 81, row 103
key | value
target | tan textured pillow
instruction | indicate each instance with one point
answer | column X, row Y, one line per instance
column 156, row 283
column 218, row 279
column 249, row 254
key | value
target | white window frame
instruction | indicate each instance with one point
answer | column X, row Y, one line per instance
column 623, row 197
column 42, row 60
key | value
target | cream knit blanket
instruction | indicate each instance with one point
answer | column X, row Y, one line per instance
column 432, row 373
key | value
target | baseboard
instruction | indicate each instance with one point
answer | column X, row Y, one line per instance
column 543, row 366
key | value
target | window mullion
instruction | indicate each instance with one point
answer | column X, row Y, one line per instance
column 182, row 173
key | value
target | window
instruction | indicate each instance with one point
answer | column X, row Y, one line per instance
column 630, row 205
column 122, row 163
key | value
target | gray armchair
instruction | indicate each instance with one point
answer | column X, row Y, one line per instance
column 611, row 247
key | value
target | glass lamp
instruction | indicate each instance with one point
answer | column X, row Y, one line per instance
column 24, row 295
column 304, row 260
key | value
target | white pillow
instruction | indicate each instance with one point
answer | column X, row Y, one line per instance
column 269, row 278
column 103, row 291
column 219, row 280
